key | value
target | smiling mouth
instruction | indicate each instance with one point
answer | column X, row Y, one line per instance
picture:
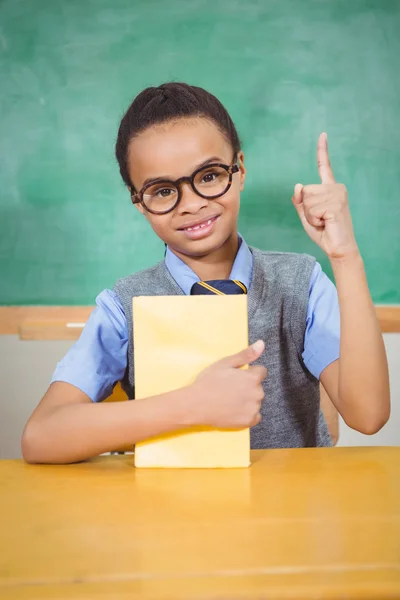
column 200, row 230
column 201, row 225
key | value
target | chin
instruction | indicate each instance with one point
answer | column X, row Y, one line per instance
column 198, row 248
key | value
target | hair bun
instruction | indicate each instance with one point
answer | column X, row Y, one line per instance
column 163, row 93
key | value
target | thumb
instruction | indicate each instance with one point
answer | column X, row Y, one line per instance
column 246, row 356
column 297, row 200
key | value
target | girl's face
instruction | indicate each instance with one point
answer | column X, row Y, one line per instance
column 176, row 149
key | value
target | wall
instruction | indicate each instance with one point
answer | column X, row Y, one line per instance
column 26, row 368
column 390, row 434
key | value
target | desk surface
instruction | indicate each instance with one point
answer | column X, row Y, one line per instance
column 308, row 523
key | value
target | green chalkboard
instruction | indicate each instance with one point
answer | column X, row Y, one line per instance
column 286, row 70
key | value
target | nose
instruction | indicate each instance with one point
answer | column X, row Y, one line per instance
column 191, row 203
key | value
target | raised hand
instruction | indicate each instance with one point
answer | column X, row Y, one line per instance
column 324, row 210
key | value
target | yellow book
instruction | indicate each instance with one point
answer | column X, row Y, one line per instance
column 175, row 338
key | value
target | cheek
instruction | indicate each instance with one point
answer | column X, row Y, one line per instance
column 236, row 188
column 160, row 224
column 231, row 201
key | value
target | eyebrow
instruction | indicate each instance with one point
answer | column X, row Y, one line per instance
column 213, row 159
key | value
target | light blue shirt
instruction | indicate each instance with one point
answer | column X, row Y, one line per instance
column 98, row 359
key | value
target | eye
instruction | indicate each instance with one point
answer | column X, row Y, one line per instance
column 209, row 177
column 164, row 192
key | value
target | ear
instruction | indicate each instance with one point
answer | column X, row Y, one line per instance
column 242, row 170
column 140, row 208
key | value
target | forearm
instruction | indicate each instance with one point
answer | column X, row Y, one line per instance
column 77, row 432
column 363, row 376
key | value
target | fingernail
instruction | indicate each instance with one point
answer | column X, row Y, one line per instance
column 258, row 345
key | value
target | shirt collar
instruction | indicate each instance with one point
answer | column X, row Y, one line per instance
column 242, row 268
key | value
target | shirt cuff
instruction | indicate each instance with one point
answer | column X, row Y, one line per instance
column 316, row 363
column 97, row 390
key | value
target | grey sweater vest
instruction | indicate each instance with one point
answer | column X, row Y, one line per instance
column 277, row 309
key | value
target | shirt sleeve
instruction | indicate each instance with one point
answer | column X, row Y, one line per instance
column 322, row 336
column 98, row 359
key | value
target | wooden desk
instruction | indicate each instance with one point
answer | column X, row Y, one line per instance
column 309, row 523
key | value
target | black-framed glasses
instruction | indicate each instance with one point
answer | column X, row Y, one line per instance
column 162, row 196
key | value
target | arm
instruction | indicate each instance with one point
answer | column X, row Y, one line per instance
column 71, row 423
column 322, row 339
column 68, row 427
column 357, row 384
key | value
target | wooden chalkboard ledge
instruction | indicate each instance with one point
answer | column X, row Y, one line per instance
column 44, row 322
column 389, row 318
column 66, row 322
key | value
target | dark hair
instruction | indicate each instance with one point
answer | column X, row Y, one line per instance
column 168, row 102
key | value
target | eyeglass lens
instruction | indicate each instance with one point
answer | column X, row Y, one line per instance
column 209, row 182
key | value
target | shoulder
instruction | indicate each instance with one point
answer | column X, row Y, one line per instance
column 288, row 267
column 138, row 281
column 282, row 258
column 109, row 309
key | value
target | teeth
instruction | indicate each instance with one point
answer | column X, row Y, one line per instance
column 199, row 226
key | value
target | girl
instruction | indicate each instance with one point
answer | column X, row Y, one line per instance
column 180, row 157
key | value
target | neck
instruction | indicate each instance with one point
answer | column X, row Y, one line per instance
column 216, row 265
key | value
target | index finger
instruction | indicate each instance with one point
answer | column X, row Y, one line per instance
column 324, row 164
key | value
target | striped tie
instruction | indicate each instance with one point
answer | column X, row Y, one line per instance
column 222, row 287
